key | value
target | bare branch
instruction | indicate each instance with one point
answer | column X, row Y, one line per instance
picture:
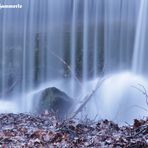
column 143, row 91
column 88, row 98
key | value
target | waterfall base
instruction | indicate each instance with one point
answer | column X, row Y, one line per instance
column 118, row 99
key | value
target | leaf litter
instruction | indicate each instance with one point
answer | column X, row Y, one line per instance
column 26, row 131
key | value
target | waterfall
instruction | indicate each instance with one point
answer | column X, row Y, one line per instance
column 140, row 48
column 69, row 45
column 73, row 44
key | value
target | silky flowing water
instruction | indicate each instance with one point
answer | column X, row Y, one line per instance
column 70, row 44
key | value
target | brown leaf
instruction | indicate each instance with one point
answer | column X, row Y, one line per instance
column 38, row 134
column 137, row 123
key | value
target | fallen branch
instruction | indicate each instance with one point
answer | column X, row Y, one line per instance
column 88, row 98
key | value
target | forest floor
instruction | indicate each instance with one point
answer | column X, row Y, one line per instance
column 24, row 130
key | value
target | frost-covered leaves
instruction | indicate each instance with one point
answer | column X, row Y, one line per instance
column 23, row 130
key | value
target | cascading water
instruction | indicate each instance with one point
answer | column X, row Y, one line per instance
column 140, row 48
column 69, row 45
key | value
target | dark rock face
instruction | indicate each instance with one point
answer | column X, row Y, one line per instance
column 54, row 100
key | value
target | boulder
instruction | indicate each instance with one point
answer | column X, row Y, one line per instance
column 55, row 100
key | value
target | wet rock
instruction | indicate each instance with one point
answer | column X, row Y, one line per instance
column 55, row 100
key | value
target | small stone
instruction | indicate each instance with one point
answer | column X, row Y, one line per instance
column 46, row 138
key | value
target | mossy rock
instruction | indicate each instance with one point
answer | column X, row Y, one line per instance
column 55, row 100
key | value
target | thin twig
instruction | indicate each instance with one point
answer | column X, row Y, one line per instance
column 140, row 107
column 127, row 124
column 143, row 91
column 10, row 88
column 67, row 65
